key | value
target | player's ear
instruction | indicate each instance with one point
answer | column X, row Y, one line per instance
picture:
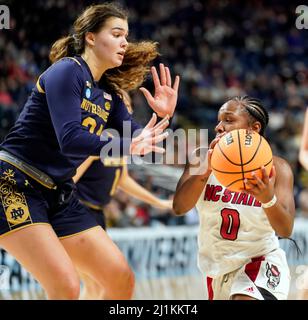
column 256, row 126
column 90, row 38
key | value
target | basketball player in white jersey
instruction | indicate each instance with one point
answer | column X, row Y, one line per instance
column 239, row 252
column 303, row 153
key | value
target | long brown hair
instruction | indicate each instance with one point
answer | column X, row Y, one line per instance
column 91, row 20
column 138, row 55
column 135, row 67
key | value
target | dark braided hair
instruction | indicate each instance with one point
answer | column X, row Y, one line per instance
column 255, row 109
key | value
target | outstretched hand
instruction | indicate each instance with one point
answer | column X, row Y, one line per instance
column 165, row 96
column 150, row 136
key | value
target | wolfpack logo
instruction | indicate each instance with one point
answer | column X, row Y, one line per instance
column 273, row 275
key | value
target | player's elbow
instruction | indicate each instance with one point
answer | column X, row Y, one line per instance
column 286, row 231
column 179, row 208
column 66, row 147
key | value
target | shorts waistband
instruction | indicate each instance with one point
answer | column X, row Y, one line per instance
column 29, row 170
column 91, row 205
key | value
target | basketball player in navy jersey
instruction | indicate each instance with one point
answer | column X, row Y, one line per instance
column 97, row 179
column 42, row 223
column 303, row 153
column 238, row 245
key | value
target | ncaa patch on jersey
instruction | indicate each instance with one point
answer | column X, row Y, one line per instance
column 88, row 93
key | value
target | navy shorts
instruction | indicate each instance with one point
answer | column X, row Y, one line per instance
column 25, row 202
column 99, row 216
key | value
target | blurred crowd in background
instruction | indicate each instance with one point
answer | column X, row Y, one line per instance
column 219, row 48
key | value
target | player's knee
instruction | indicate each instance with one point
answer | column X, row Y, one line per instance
column 67, row 289
column 124, row 281
column 72, row 290
column 127, row 278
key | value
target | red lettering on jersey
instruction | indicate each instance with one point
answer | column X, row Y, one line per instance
column 242, row 199
column 227, row 196
column 257, row 203
column 250, row 201
column 235, row 197
column 215, row 196
column 208, row 192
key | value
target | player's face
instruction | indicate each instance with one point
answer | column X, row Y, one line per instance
column 230, row 117
column 110, row 42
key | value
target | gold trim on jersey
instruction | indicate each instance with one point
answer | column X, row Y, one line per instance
column 115, row 182
column 77, row 233
column 91, row 205
column 113, row 162
column 38, row 86
column 74, row 60
column 22, row 227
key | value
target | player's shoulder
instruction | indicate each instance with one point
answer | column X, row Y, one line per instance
column 66, row 65
column 282, row 165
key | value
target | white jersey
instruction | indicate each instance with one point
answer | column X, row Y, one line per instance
column 233, row 229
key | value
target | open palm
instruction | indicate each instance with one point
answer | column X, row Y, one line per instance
column 166, row 95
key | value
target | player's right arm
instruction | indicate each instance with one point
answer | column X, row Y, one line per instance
column 193, row 180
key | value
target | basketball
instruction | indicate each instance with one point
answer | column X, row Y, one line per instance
column 237, row 155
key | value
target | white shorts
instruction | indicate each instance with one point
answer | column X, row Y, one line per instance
column 264, row 278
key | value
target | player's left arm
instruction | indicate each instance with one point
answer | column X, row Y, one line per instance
column 134, row 189
column 303, row 152
column 280, row 185
column 83, row 168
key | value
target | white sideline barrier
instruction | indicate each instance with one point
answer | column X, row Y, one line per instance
column 153, row 253
column 159, row 252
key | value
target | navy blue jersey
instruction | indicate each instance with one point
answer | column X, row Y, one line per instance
column 62, row 120
column 96, row 187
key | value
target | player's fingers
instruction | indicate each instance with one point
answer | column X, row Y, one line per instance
column 273, row 173
column 160, row 137
column 209, row 155
column 176, row 83
column 160, row 128
column 162, row 74
column 152, row 121
column 168, row 77
column 258, row 181
column 147, row 95
column 246, row 191
column 214, row 142
column 162, row 123
column 155, row 77
column 265, row 176
column 250, row 187
column 158, row 149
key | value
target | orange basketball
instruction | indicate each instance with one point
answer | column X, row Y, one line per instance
column 237, row 155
